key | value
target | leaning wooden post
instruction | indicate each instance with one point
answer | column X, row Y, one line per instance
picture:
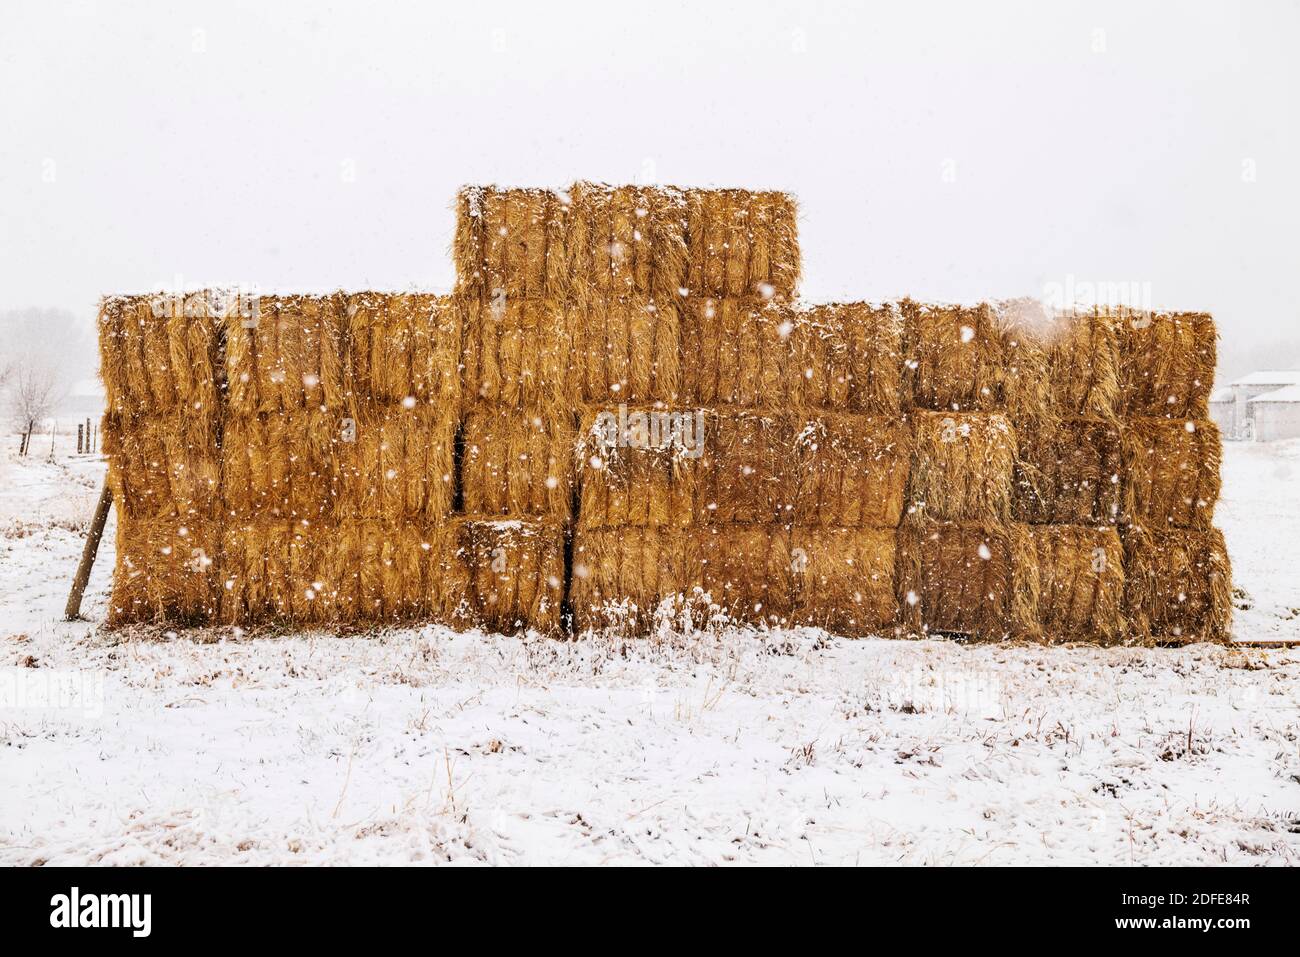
column 73, row 609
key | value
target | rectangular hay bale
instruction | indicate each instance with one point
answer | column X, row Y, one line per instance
column 517, row 352
column 403, row 346
column 845, row 580
column 164, row 572
column 286, row 355
column 1068, row 473
column 1168, row 361
column 512, row 574
column 742, row 243
column 509, row 243
column 1171, row 472
column 1178, row 585
column 963, row 466
column 156, row 471
column 1080, row 586
column 624, row 349
column 517, row 463
column 1084, row 363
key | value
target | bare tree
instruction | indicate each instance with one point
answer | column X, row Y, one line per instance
column 34, row 392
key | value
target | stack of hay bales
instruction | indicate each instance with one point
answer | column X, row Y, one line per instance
column 621, row 410
column 337, row 457
column 1178, row 574
column 159, row 362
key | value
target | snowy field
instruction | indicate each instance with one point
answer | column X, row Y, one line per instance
column 421, row 746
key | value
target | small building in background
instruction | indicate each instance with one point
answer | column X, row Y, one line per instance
column 1276, row 415
column 1234, row 407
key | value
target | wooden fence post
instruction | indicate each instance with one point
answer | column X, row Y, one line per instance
column 72, row 611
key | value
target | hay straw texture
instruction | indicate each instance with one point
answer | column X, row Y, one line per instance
column 1084, row 365
column 165, row 572
column 845, row 579
column 1070, row 473
column 158, row 354
column 287, row 356
column 517, row 463
column 1178, row 585
column 155, row 472
column 384, row 462
column 963, row 466
column 517, row 353
column 509, row 243
column 636, row 468
column 512, row 573
column 750, row 352
column 978, row 580
column 1080, row 587
column 625, row 349
column 624, row 242
column 403, row 346
column 1171, row 472
column 976, row 359
column 1168, row 363
column 349, row 571
column 621, row 576
column 742, row 243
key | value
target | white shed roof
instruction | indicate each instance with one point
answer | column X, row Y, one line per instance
column 1221, row 395
column 1270, row 377
column 1289, row 394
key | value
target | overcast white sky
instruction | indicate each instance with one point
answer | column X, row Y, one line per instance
column 942, row 150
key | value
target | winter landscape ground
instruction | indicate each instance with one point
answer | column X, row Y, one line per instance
column 729, row 746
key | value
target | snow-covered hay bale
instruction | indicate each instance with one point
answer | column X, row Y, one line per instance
column 517, row 352
column 285, row 354
column 165, row 572
column 623, row 576
column 1069, row 473
column 624, row 242
column 639, row 466
column 348, row 572
column 517, row 463
column 403, row 347
column 509, row 243
column 845, row 579
column 512, row 573
column 1171, row 472
column 158, row 354
column 1080, row 587
column 742, row 243
column 1178, row 585
column 846, row 471
column 963, row 466
column 1168, row 363
column 378, row 461
column 750, row 352
column 974, row 579
column 976, row 359
column 1084, row 365
column 156, row 471
column 625, row 349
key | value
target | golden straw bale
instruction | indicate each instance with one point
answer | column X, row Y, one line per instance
column 284, row 354
column 977, row 359
column 155, row 472
column 396, row 462
column 281, row 465
column 974, row 579
column 745, row 472
column 1168, row 363
column 964, row 466
column 512, row 573
column 638, row 467
column 741, row 243
column 624, row 577
column 624, row 349
column 1178, row 585
column 350, row 572
column 848, row 356
column 158, row 355
column 164, row 571
column 738, row 352
column 517, row 463
column 849, row 471
column 403, row 346
column 623, row 242
column 845, row 579
column 516, row 352
column 1171, row 472
column 1084, row 365
column 509, row 243
column 1069, row 474
column 1080, row 582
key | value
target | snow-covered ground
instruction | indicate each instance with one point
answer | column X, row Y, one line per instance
column 731, row 746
